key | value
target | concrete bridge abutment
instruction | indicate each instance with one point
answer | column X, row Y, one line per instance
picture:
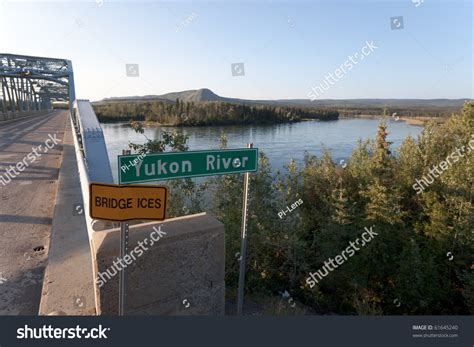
column 175, row 267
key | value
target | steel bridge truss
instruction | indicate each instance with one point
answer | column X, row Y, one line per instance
column 29, row 84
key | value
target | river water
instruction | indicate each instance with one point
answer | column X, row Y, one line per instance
column 280, row 142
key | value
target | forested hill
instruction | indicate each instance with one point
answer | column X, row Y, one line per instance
column 204, row 94
column 199, row 102
column 181, row 113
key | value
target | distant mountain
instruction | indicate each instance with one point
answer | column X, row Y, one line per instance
column 198, row 95
column 204, row 94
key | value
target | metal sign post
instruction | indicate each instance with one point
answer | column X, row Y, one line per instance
column 243, row 246
column 123, row 273
column 123, row 252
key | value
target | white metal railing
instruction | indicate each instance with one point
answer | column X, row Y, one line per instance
column 93, row 166
column 91, row 153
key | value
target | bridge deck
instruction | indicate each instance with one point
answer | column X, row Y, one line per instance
column 27, row 199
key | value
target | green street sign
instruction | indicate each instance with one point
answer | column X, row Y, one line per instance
column 172, row 165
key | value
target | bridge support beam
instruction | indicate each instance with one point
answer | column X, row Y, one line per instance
column 33, row 83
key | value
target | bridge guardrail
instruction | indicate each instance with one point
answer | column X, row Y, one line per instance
column 93, row 166
column 91, row 152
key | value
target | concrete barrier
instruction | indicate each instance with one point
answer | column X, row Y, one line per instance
column 182, row 273
column 68, row 285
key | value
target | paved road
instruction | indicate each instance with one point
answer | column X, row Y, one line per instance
column 27, row 199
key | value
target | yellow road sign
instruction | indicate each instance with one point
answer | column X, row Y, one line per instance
column 123, row 203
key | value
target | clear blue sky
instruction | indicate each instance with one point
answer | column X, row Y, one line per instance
column 287, row 47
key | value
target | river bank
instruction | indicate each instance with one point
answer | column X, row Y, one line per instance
column 416, row 121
